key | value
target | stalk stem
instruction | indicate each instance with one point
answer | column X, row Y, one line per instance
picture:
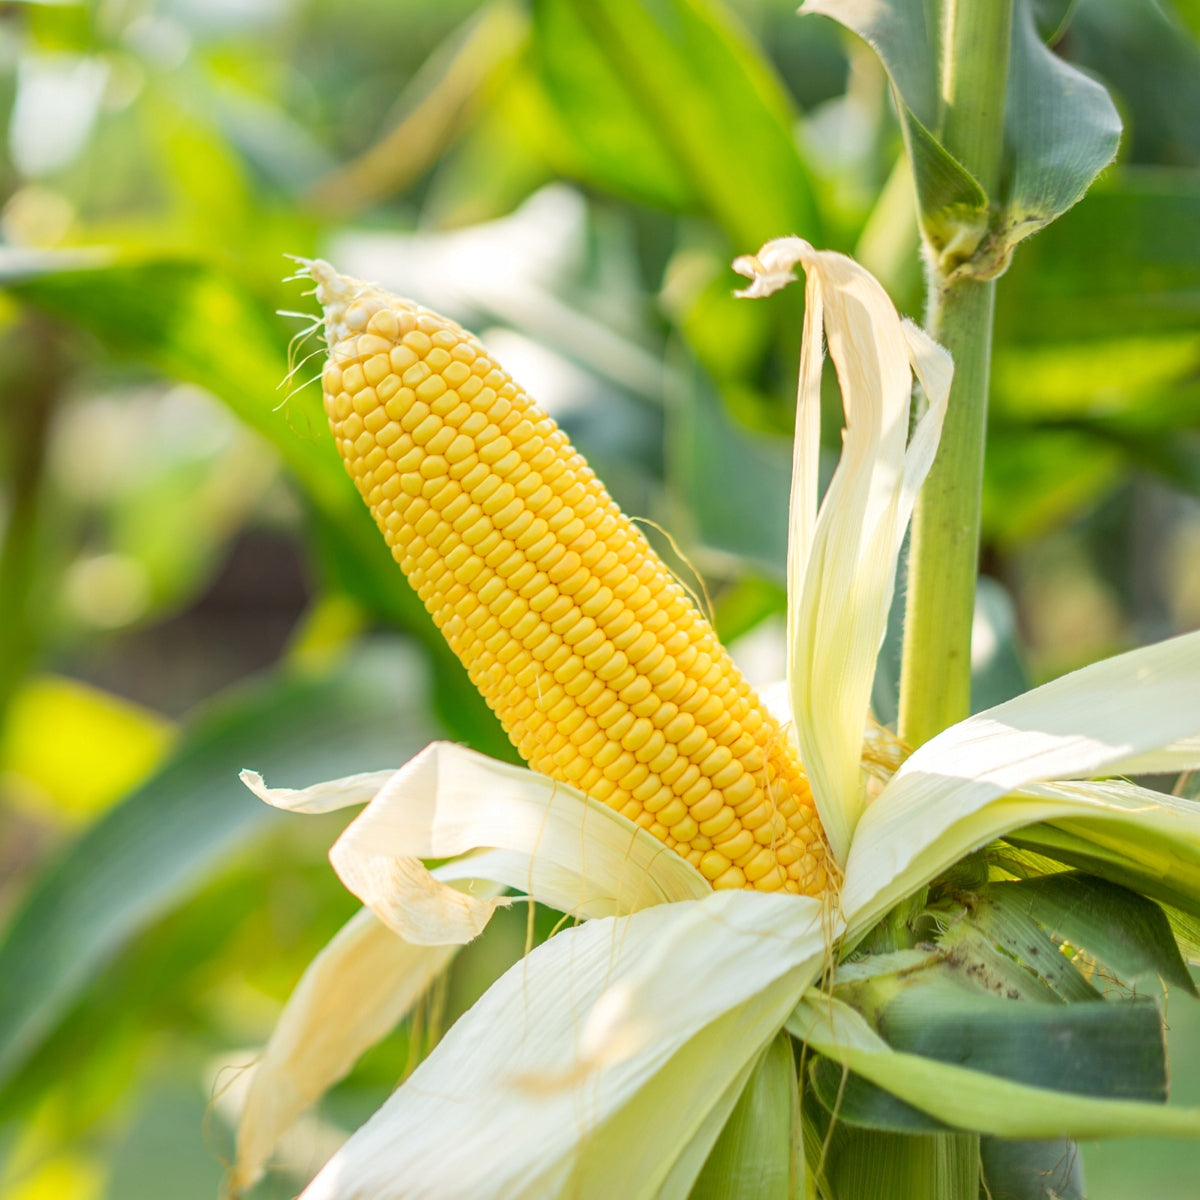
column 935, row 678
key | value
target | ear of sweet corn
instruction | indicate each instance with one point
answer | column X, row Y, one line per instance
column 600, row 668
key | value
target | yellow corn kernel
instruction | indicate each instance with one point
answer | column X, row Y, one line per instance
column 595, row 660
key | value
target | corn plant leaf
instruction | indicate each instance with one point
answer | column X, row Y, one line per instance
column 1135, row 861
column 1052, row 17
column 1061, row 130
column 1078, row 283
column 1126, row 934
column 950, row 198
column 1011, row 951
column 177, row 827
column 672, row 104
column 114, row 744
column 961, row 1006
column 856, row 1163
column 1112, row 1050
column 973, row 1099
column 195, row 323
column 1142, row 50
column 855, row 1101
column 1029, row 1169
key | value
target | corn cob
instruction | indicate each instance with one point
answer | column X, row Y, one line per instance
column 599, row 667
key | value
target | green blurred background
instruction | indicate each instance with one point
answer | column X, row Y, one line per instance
column 189, row 585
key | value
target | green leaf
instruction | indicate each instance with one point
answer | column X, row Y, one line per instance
column 974, row 1099
column 1052, row 18
column 1061, row 130
column 671, row 103
column 858, row 1163
column 1122, row 931
column 960, row 1006
column 1112, row 1050
column 145, row 854
column 114, row 744
column 752, row 1158
column 1141, row 860
column 1141, row 49
column 1004, row 946
column 855, row 1101
column 1031, row 1170
column 1123, row 264
column 195, row 323
column 953, row 205
column 1038, row 478
column 1098, row 378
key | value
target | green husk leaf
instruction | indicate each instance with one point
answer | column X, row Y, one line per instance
column 1025, row 1169
column 1123, row 931
column 973, row 1099
column 862, row 1163
column 1006, row 945
column 853, row 1100
column 1135, row 860
column 754, row 1156
column 1093, row 1049
column 959, row 1007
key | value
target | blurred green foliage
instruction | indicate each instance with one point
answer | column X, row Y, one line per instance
column 572, row 179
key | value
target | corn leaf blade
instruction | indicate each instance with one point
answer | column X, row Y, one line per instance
column 149, row 850
column 674, row 105
column 1061, row 130
column 972, row 1099
column 1122, row 930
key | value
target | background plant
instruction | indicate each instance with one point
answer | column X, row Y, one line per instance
column 173, row 523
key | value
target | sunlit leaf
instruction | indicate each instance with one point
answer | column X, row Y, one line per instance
column 673, row 105
column 1123, row 264
column 113, row 744
column 439, row 104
